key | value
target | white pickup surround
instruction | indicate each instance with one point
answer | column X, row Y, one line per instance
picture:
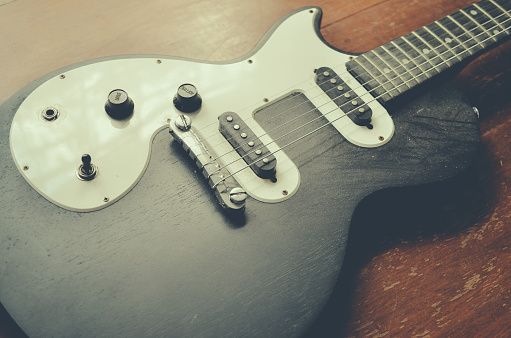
column 47, row 153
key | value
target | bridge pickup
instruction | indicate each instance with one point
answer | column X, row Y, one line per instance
column 343, row 96
column 227, row 191
column 248, row 145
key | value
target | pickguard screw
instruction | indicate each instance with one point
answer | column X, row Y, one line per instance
column 285, row 192
column 158, row 61
column 25, row 168
column 265, row 99
column 381, row 138
column 62, row 76
column 106, row 199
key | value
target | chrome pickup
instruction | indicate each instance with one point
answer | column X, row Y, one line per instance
column 228, row 193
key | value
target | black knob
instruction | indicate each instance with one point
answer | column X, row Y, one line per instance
column 187, row 98
column 119, row 105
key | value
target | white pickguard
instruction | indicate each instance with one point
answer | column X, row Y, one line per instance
column 48, row 153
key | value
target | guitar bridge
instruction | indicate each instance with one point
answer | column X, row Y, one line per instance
column 228, row 193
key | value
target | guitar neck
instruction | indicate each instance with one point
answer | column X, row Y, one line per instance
column 401, row 64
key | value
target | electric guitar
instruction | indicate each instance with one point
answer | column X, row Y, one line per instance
column 159, row 196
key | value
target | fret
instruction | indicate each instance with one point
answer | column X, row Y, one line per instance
column 376, row 82
column 472, row 31
column 388, row 53
column 482, row 22
column 502, row 19
column 409, row 67
column 458, row 34
column 387, row 70
column 403, row 77
column 412, row 60
column 401, row 64
column 446, row 41
column 367, row 79
column 443, row 54
column 423, row 56
column 504, row 5
column 491, row 24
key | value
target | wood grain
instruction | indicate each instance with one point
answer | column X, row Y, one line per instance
column 431, row 261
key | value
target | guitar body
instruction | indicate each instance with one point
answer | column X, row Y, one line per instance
column 166, row 260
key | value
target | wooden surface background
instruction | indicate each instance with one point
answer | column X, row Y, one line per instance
column 416, row 265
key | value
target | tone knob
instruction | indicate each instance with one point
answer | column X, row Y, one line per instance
column 187, row 98
column 119, row 106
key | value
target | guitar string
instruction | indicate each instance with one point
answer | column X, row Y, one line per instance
column 466, row 32
column 309, row 133
column 474, row 46
column 347, row 103
column 389, row 81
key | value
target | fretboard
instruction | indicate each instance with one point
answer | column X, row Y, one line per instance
column 401, row 64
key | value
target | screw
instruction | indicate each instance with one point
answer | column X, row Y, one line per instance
column 62, row 76
column 237, row 195
column 183, row 122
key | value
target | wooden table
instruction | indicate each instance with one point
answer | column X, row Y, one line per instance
column 426, row 261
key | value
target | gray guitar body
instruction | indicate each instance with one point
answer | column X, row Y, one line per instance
column 166, row 260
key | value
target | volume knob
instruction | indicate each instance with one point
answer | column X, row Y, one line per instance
column 119, row 105
column 187, row 98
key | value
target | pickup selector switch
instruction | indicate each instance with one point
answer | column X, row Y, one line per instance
column 119, row 105
column 187, row 98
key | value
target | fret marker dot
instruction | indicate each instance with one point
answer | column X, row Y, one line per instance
column 426, row 51
column 386, row 70
column 405, row 61
column 448, row 40
column 496, row 31
column 473, row 12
